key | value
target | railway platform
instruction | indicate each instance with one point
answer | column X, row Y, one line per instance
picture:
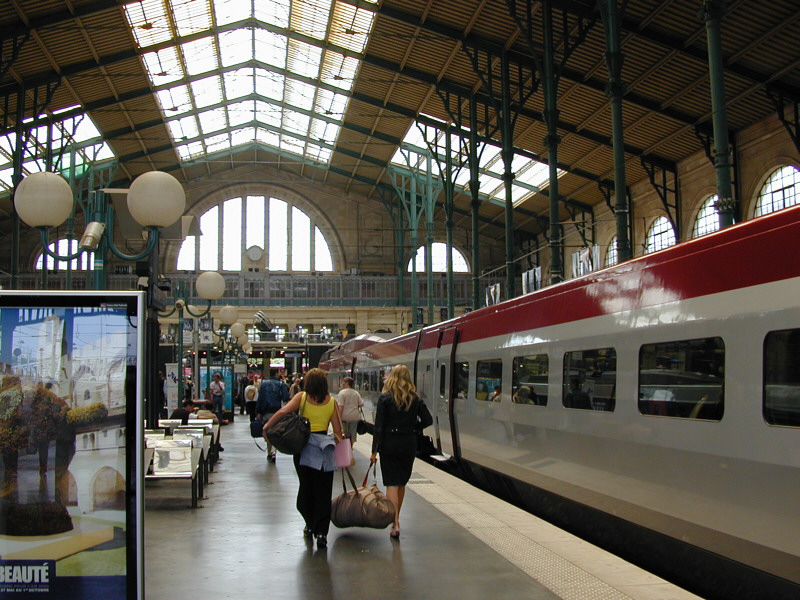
column 244, row 541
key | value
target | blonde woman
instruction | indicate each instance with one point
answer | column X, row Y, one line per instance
column 400, row 415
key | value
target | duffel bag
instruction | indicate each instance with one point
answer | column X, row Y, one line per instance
column 361, row 507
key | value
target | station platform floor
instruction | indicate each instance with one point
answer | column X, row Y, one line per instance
column 244, row 541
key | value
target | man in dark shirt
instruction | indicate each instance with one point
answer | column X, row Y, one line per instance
column 183, row 413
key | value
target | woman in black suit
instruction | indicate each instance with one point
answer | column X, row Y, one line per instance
column 400, row 415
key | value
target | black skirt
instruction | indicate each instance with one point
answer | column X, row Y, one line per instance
column 397, row 454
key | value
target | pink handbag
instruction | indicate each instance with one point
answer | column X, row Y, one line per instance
column 343, row 453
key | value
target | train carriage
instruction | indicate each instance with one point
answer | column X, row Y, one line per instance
column 653, row 406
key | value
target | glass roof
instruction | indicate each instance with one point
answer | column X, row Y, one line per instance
column 530, row 176
column 75, row 144
column 229, row 73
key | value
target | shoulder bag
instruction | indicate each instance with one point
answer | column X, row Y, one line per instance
column 361, row 427
column 290, row 433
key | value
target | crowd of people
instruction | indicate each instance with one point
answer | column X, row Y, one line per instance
column 400, row 415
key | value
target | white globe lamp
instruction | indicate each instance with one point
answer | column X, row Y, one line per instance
column 156, row 199
column 228, row 315
column 43, row 200
column 210, row 285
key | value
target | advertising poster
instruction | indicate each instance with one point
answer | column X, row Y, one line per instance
column 70, row 501
column 171, row 387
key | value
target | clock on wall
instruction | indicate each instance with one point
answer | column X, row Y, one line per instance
column 255, row 253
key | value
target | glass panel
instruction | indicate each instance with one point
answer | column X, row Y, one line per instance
column 277, row 255
column 661, row 235
column 270, row 48
column 213, row 120
column 149, row 22
column 310, row 17
column 781, row 190
column 611, row 253
column 322, row 253
column 186, row 255
column 232, row 235
column 235, row 46
column 590, row 379
column 175, row 101
column 209, row 241
column 275, row 12
column 239, row 83
column 782, row 378
column 301, row 241
column 682, row 379
column 163, row 66
column 254, row 225
column 230, row 11
column 529, row 383
column 707, row 219
column 207, row 91
column 461, row 380
column 201, row 54
column 240, row 113
column 191, row 17
column 488, row 380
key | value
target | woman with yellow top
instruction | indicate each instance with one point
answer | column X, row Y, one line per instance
column 315, row 464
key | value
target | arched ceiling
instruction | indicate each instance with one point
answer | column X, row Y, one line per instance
column 198, row 89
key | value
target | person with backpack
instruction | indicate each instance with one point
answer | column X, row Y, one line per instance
column 272, row 395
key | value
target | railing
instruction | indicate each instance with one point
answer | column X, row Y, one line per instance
column 271, row 289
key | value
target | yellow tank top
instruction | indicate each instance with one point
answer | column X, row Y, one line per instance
column 319, row 415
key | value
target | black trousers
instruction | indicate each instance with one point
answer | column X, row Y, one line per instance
column 314, row 497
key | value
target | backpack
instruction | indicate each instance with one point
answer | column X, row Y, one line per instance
column 250, row 393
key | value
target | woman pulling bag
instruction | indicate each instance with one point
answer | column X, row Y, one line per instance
column 400, row 415
column 316, row 463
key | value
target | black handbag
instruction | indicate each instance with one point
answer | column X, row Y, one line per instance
column 257, row 428
column 290, row 433
column 361, row 427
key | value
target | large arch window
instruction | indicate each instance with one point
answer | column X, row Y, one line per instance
column 707, row 220
column 269, row 232
column 64, row 247
column 439, row 259
column 781, row 190
column 660, row 235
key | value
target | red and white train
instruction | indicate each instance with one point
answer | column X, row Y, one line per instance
column 653, row 406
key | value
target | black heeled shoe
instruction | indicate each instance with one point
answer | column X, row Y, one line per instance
column 322, row 541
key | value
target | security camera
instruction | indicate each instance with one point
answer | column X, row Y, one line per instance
column 180, row 304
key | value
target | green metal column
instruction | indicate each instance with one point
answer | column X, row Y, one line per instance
column 449, row 193
column 16, row 178
column 615, row 90
column 712, row 12
column 474, row 188
column 428, row 206
column 507, row 153
column 550, row 91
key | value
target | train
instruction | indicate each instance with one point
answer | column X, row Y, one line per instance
column 652, row 407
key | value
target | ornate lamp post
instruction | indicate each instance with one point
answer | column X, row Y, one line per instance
column 209, row 286
column 155, row 200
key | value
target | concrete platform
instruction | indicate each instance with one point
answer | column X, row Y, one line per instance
column 245, row 541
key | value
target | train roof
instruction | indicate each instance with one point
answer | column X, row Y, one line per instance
column 757, row 251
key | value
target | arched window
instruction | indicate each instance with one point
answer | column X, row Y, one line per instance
column 707, row 220
column 439, row 259
column 782, row 189
column 64, row 247
column 273, row 234
column 612, row 256
column 661, row 235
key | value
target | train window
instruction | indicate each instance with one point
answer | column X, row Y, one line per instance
column 442, row 381
column 782, row 378
column 489, row 375
column 529, row 383
column 682, row 379
column 590, row 379
column 461, row 380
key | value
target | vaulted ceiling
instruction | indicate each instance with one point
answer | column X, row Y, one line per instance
column 327, row 90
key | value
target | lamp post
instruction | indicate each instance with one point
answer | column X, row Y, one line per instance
column 209, row 286
column 155, row 200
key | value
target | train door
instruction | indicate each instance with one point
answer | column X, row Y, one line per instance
column 446, row 429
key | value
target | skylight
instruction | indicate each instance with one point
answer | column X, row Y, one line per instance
column 75, row 145
column 229, row 73
column 530, row 176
